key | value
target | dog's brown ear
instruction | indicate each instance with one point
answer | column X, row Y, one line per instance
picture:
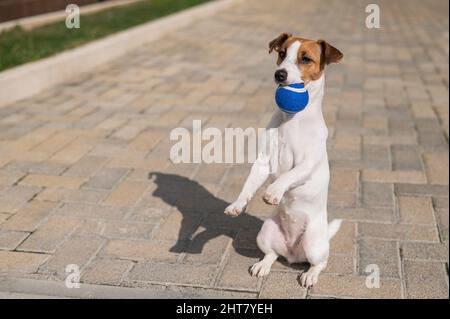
column 276, row 43
column 329, row 54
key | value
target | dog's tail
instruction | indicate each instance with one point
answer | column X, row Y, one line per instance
column 333, row 227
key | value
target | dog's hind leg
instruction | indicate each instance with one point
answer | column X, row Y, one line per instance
column 316, row 247
column 271, row 241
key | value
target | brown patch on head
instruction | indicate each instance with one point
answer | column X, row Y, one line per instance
column 312, row 55
column 277, row 43
column 329, row 53
column 309, row 60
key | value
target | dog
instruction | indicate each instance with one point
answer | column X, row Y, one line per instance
column 299, row 231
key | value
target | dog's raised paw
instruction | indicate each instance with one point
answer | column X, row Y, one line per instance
column 234, row 209
column 273, row 194
column 260, row 269
column 271, row 199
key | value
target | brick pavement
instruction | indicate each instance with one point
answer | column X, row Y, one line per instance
column 75, row 186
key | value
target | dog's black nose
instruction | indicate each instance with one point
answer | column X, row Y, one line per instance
column 281, row 75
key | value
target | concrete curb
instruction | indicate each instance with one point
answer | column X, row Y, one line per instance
column 18, row 288
column 32, row 78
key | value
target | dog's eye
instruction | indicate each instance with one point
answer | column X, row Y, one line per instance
column 282, row 54
column 305, row 60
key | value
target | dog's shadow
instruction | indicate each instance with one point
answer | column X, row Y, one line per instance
column 203, row 216
column 202, row 210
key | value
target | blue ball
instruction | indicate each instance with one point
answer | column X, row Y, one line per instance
column 292, row 98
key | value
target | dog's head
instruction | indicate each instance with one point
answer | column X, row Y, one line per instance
column 301, row 60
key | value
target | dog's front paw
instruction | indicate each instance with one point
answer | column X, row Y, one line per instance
column 309, row 279
column 235, row 209
column 260, row 269
column 273, row 195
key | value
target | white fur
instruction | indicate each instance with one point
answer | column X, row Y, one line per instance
column 299, row 231
column 290, row 64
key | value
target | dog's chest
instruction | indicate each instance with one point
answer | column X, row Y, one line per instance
column 289, row 147
column 285, row 155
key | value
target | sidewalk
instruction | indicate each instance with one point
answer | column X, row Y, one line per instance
column 85, row 175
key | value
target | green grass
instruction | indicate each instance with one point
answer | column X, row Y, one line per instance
column 18, row 46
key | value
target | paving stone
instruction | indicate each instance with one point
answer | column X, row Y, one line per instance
column 45, row 168
column 433, row 141
column 344, row 180
column 33, row 138
column 9, row 240
column 355, row 286
column 398, row 231
column 207, row 247
column 380, row 176
column 73, row 152
column 246, row 239
column 140, row 250
column 377, row 194
column 376, row 156
column 340, row 264
column 383, row 253
column 116, row 229
column 72, row 195
column 4, row 161
column 29, row 217
column 178, row 226
column 50, row 235
column 76, row 250
column 405, row 157
column 433, row 274
column 7, row 178
column 442, row 218
column 86, row 166
column 362, row 214
column 282, row 285
column 106, row 178
column 106, row 271
column 437, row 167
column 15, row 197
column 4, row 217
column 417, row 210
column 127, row 193
column 236, row 271
column 421, row 190
column 55, row 143
column 341, row 200
column 425, row 251
column 146, row 140
column 92, row 211
column 71, row 182
column 163, row 273
column 345, row 239
column 13, row 261
column 350, row 143
column 147, row 214
column 440, row 203
column 211, row 173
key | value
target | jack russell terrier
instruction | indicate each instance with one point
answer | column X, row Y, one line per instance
column 299, row 231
